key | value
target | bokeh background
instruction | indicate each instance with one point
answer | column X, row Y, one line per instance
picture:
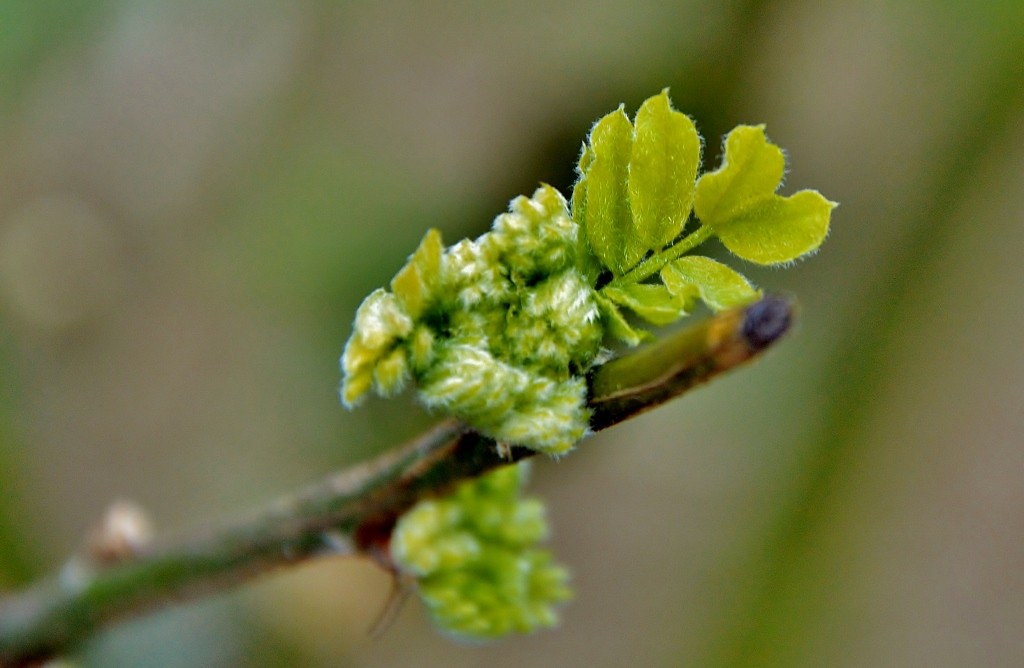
column 194, row 197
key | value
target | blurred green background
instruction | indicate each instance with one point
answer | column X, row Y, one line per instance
column 194, row 197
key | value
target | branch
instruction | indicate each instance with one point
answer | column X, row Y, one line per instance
column 353, row 512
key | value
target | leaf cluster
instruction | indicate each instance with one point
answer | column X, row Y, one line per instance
column 642, row 208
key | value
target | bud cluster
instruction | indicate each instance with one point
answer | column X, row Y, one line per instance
column 495, row 331
column 475, row 558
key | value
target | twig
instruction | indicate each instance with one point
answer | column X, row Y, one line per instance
column 353, row 512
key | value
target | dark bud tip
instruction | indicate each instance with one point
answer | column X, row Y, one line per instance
column 766, row 321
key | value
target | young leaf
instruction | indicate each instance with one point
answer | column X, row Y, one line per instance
column 718, row 285
column 616, row 325
column 662, row 169
column 739, row 203
column 654, row 303
column 416, row 282
column 751, row 171
column 781, row 230
column 607, row 219
column 579, row 191
column 588, row 263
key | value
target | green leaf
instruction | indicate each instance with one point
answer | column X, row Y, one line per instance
column 719, row 286
column 586, row 261
column 654, row 303
column 579, row 191
column 662, row 170
column 782, row 230
column 616, row 325
column 416, row 282
column 751, row 171
column 739, row 203
column 607, row 219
